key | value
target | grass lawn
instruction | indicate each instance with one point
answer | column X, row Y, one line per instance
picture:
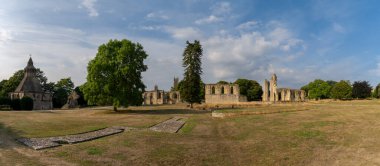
column 316, row 133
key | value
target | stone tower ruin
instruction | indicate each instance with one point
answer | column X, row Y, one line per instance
column 273, row 94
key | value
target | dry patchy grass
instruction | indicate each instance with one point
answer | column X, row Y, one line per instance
column 328, row 133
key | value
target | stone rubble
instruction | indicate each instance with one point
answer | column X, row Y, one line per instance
column 170, row 126
column 49, row 142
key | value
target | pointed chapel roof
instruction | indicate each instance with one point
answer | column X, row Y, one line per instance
column 29, row 83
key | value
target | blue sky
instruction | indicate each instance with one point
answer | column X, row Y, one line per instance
column 298, row 40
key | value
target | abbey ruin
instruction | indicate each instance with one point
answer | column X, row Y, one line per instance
column 157, row 97
column 273, row 94
column 223, row 93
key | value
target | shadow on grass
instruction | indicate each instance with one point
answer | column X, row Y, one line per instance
column 160, row 111
column 7, row 137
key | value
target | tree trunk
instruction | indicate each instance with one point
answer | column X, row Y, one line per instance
column 115, row 109
column 191, row 105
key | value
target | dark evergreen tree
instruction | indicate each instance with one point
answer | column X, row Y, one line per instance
column 192, row 86
column 361, row 89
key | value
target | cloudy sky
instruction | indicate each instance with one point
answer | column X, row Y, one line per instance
column 298, row 40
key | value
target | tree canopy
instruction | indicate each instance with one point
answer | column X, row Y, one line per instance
column 318, row 89
column 250, row 88
column 62, row 90
column 192, row 82
column 376, row 92
column 223, row 82
column 114, row 75
column 361, row 89
column 341, row 90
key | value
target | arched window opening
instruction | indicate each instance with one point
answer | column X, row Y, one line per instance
column 213, row 90
column 222, row 90
column 232, row 90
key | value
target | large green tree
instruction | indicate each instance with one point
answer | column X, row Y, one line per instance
column 114, row 75
column 250, row 88
column 62, row 90
column 361, row 89
column 318, row 89
column 181, row 88
column 376, row 92
column 341, row 90
column 193, row 69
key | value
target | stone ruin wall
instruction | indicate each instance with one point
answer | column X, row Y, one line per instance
column 153, row 97
column 273, row 94
column 223, row 94
column 158, row 97
column 41, row 101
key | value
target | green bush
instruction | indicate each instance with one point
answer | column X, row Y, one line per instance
column 15, row 104
column 26, row 103
column 341, row 90
column 5, row 101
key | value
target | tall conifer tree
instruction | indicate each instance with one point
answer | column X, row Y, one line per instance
column 193, row 70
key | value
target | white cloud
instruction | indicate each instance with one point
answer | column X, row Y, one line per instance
column 186, row 33
column 5, row 35
column 247, row 25
column 338, row 28
column 251, row 54
column 90, row 6
column 221, row 8
column 208, row 20
column 220, row 11
column 59, row 52
column 2, row 12
column 157, row 15
column 150, row 28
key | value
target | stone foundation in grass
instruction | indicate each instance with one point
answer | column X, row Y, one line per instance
column 49, row 142
column 169, row 126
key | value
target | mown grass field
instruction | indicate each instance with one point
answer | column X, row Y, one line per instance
column 321, row 133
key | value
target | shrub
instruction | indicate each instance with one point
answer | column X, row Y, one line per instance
column 15, row 104
column 341, row 90
column 26, row 103
column 5, row 101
